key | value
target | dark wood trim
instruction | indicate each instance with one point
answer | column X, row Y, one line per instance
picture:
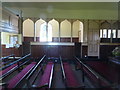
column 65, row 39
column 28, row 39
column 75, row 39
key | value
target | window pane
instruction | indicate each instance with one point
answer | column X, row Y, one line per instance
column 114, row 33
column 44, row 35
column 43, row 32
column 104, row 33
column 13, row 39
column 109, row 33
column 100, row 33
column 118, row 34
column 49, row 32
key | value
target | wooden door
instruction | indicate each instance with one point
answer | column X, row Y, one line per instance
column 93, row 39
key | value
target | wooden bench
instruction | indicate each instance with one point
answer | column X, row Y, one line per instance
column 8, row 69
column 107, row 71
column 69, row 76
column 17, row 79
column 34, row 74
column 6, row 57
column 93, row 75
column 46, row 79
column 3, row 72
column 95, row 78
column 5, row 60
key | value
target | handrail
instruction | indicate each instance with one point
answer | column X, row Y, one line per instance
column 4, row 63
column 87, row 68
column 3, row 58
column 28, row 77
column 51, row 76
column 16, row 61
column 98, row 77
column 10, row 71
column 62, row 68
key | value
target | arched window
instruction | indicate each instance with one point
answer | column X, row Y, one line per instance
column 45, row 32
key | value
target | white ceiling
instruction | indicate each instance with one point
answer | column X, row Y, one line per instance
column 59, row 0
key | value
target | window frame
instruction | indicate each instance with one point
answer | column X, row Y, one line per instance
column 14, row 41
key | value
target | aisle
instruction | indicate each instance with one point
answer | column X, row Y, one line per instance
column 58, row 82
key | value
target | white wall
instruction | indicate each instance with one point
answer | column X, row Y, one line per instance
column 28, row 28
column 65, row 29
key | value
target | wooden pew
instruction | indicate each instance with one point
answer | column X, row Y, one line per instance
column 105, row 70
column 8, row 69
column 98, row 80
column 38, row 66
column 46, row 76
column 46, row 79
column 69, row 76
column 16, row 61
column 5, row 60
column 19, row 77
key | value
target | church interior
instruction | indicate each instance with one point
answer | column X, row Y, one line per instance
column 51, row 45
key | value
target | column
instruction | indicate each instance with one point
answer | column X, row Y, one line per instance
column 71, row 30
column 22, row 20
column 59, row 21
column 34, row 20
column 71, row 21
column 59, row 29
column 111, row 39
column 47, row 30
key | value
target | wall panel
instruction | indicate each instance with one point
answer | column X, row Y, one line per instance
column 106, row 51
column 8, row 51
column 9, row 22
column 28, row 39
column 52, row 51
column 65, row 39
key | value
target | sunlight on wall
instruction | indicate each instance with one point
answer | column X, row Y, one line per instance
column 37, row 27
column 5, row 38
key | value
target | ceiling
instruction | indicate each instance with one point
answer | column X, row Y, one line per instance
column 82, row 10
column 60, row 0
column 62, row 5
